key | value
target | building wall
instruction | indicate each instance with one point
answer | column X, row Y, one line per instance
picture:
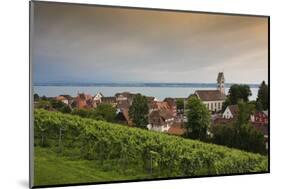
column 157, row 128
column 227, row 114
column 214, row 105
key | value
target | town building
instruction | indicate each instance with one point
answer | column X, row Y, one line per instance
column 125, row 96
column 213, row 99
column 172, row 105
column 230, row 112
column 160, row 120
column 260, row 117
column 64, row 98
column 97, row 97
column 84, row 101
column 122, row 117
column 259, row 121
column 177, row 129
column 109, row 100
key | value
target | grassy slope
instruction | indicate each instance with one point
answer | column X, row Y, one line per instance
column 51, row 169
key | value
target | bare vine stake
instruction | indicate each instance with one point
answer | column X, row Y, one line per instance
column 60, row 139
column 42, row 136
column 150, row 164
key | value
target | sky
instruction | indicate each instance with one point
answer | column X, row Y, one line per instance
column 77, row 43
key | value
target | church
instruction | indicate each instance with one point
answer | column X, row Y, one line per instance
column 213, row 99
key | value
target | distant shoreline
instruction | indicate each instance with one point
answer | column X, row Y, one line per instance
column 176, row 85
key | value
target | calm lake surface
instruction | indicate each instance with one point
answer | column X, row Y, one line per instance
column 159, row 92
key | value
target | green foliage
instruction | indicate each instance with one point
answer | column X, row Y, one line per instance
column 253, row 104
column 180, row 104
column 66, row 109
column 36, row 97
column 57, row 104
column 244, row 112
column 138, row 111
column 239, row 92
column 240, row 134
column 226, row 103
column 60, row 106
column 262, row 98
column 45, row 104
column 246, row 137
column 85, row 113
column 223, row 134
column 102, row 141
column 44, row 98
column 198, row 117
column 106, row 112
column 52, row 104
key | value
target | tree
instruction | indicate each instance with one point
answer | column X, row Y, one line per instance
column 225, row 104
column 86, row 113
column 60, row 106
column 44, row 97
column 244, row 137
column 238, row 92
column 180, row 105
column 45, row 104
column 57, row 104
column 262, row 98
column 250, row 139
column 36, row 97
column 105, row 112
column 244, row 112
column 138, row 111
column 223, row 134
column 66, row 109
column 240, row 134
column 199, row 119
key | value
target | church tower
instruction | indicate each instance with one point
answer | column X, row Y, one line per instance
column 220, row 82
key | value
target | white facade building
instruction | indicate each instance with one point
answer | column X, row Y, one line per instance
column 160, row 121
column 213, row 99
column 98, row 97
column 230, row 112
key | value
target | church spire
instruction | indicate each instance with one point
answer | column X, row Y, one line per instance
column 220, row 83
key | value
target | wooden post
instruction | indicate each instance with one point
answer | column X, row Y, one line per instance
column 150, row 164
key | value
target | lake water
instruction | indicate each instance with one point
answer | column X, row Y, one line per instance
column 159, row 92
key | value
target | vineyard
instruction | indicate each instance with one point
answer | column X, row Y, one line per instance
column 128, row 150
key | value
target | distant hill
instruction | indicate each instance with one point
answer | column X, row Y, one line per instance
column 184, row 85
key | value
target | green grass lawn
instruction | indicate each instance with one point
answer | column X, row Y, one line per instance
column 51, row 169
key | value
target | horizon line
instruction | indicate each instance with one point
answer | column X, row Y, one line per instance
column 64, row 83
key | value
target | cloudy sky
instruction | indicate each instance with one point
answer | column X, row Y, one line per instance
column 76, row 43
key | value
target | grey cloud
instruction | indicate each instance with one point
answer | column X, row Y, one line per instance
column 107, row 44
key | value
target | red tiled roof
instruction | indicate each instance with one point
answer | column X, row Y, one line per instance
column 177, row 129
column 162, row 105
column 160, row 115
column 170, row 101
